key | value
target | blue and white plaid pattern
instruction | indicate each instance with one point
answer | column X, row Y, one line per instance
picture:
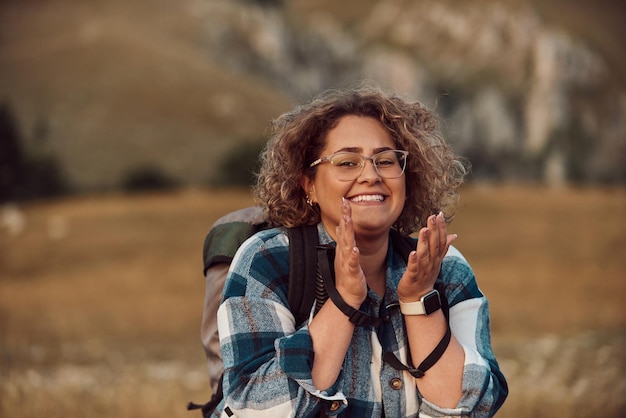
column 268, row 362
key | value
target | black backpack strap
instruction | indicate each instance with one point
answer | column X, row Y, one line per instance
column 301, row 292
column 404, row 244
column 326, row 258
column 428, row 362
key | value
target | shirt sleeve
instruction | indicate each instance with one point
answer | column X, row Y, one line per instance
column 267, row 363
column 484, row 385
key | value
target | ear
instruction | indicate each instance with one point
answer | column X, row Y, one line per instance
column 309, row 187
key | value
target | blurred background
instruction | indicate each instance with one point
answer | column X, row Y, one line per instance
column 127, row 128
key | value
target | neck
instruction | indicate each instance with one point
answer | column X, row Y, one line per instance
column 373, row 255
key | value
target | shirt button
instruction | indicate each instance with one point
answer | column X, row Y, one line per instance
column 334, row 406
column 395, row 383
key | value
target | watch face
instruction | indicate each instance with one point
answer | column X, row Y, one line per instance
column 432, row 302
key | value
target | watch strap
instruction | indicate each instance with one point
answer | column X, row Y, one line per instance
column 413, row 308
column 419, row 307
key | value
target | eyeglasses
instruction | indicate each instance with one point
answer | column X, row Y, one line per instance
column 348, row 166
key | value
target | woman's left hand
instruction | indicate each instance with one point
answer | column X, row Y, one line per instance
column 425, row 262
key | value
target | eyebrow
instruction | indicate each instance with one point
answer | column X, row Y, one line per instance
column 358, row 150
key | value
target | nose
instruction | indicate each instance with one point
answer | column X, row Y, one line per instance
column 369, row 172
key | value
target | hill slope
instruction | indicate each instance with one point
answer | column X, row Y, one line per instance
column 111, row 86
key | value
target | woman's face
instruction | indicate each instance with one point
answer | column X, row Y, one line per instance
column 376, row 202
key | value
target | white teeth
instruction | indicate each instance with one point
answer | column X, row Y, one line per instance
column 368, row 198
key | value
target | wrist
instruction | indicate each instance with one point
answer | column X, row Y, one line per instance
column 354, row 302
column 413, row 297
column 427, row 304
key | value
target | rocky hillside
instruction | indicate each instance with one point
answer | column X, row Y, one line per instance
column 111, row 86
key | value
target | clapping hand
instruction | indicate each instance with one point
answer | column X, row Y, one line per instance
column 425, row 262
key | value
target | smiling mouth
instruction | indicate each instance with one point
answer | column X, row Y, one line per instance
column 368, row 198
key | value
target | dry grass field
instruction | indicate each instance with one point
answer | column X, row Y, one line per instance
column 101, row 297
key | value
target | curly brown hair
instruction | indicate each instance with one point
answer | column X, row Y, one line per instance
column 434, row 172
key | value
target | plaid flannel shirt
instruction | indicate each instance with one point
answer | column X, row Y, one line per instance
column 268, row 362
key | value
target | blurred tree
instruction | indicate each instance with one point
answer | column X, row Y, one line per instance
column 576, row 145
column 267, row 3
column 24, row 176
column 240, row 164
column 148, row 178
column 12, row 166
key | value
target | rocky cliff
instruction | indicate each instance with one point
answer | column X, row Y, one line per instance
column 107, row 87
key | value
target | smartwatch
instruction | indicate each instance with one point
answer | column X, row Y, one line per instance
column 428, row 304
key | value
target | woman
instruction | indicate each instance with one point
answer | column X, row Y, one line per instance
column 359, row 163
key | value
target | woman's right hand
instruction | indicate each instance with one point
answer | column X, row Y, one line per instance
column 331, row 331
column 349, row 277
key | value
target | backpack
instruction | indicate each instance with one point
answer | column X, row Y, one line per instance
column 311, row 279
